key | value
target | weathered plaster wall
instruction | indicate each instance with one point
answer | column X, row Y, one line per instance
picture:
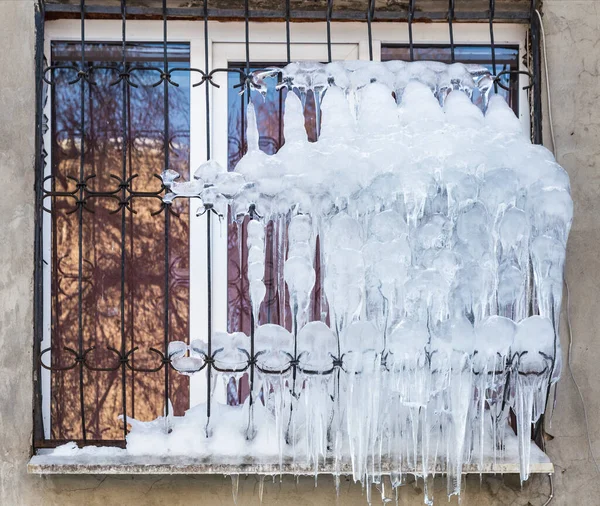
column 574, row 54
column 573, row 38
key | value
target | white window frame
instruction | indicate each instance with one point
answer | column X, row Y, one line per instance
column 227, row 44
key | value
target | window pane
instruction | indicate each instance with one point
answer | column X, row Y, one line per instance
column 101, row 234
column 507, row 58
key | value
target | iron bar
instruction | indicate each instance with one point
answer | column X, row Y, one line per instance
column 206, row 72
column 208, row 229
column 329, row 13
column 209, row 357
column 167, row 208
column 131, row 247
column 247, row 36
column 411, row 17
column 297, row 15
column 38, row 275
column 450, row 28
column 124, row 144
column 536, row 71
column 492, row 43
column 248, row 91
column 165, row 361
column 288, row 40
column 80, row 208
column 370, row 15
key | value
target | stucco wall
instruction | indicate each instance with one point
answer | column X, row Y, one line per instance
column 573, row 37
column 574, row 55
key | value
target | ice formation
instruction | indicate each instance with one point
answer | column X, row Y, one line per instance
column 442, row 235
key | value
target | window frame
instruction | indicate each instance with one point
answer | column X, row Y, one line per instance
column 226, row 45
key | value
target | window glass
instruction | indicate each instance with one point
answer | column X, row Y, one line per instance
column 507, row 59
column 100, row 232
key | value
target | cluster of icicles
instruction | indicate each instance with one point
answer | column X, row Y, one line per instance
column 442, row 235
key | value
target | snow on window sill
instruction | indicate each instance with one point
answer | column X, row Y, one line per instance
column 107, row 460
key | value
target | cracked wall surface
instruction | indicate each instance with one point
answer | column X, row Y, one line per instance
column 572, row 29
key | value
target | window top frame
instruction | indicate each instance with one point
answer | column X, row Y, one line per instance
column 505, row 10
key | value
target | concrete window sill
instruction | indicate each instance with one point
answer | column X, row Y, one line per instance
column 45, row 463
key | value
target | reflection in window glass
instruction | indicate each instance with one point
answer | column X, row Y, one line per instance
column 507, row 59
column 144, row 292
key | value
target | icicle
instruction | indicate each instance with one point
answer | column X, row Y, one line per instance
column 293, row 126
column 252, row 136
column 235, row 485
column 261, row 488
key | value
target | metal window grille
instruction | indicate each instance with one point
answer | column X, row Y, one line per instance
column 79, row 191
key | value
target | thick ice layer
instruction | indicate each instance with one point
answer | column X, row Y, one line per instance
column 442, row 234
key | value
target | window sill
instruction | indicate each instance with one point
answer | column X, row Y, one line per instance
column 46, row 465
column 118, row 461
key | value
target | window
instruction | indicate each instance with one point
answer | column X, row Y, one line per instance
column 122, row 234
column 104, row 236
